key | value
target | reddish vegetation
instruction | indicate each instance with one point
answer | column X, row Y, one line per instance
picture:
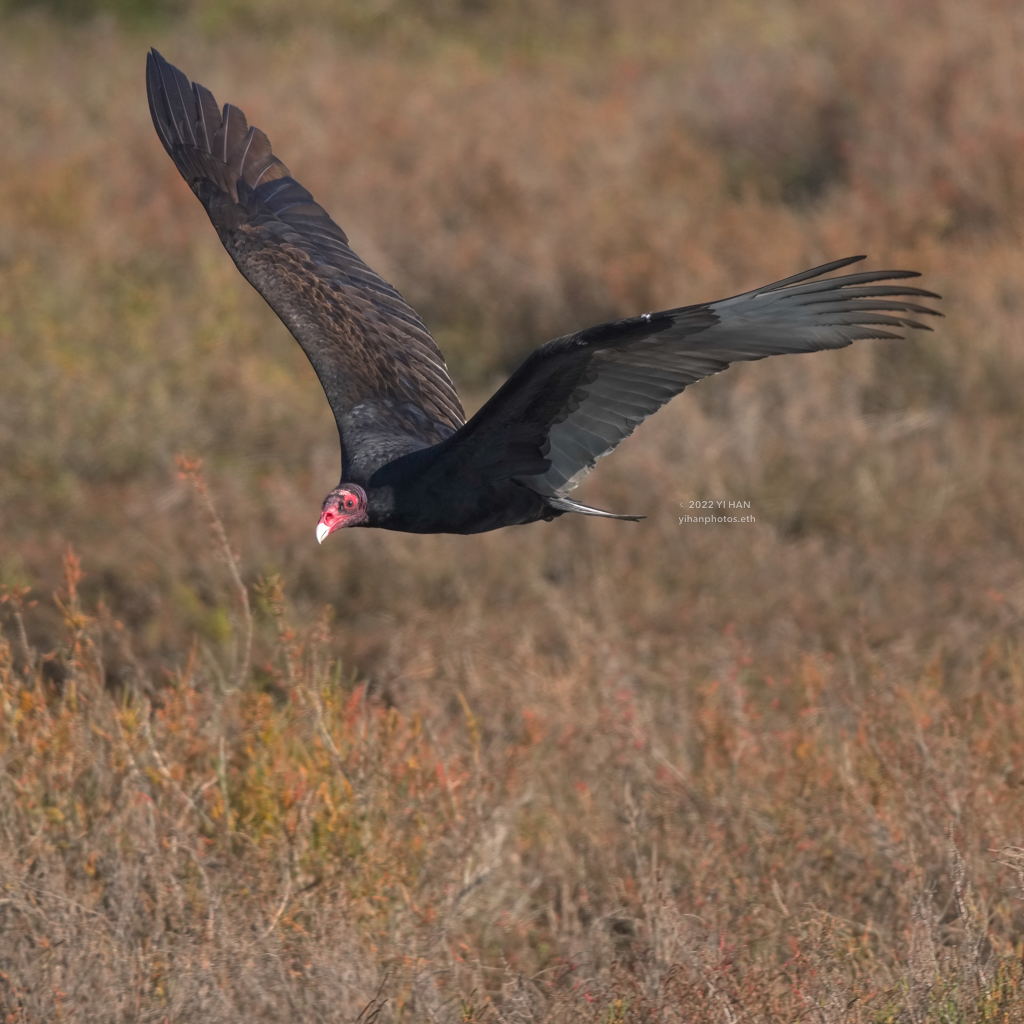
column 579, row 771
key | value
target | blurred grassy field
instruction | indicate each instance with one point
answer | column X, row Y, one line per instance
column 577, row 771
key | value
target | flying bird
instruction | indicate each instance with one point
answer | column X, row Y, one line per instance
column 410, row 459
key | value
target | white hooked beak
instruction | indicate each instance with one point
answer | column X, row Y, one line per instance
column 322, row 529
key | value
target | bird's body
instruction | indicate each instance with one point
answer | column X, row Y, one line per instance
column 409, row 504
column 410, row 461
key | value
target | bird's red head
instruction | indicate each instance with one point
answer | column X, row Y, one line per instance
column 344, row 506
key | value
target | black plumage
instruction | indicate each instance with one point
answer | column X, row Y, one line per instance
column 410, row 461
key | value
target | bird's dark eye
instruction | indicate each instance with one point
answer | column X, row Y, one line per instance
column 350, row 503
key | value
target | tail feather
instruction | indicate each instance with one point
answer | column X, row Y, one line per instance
column 568, row 505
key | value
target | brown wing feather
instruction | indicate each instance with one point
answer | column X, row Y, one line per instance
column 383, row 374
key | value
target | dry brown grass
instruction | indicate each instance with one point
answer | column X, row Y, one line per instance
column 580, row 771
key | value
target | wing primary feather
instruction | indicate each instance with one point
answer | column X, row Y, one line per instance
column 203, row 143
column 250, row 135
column 179, row 117
column 225, row 118
column 806, row 275
column 158, row 97
column 838, row 283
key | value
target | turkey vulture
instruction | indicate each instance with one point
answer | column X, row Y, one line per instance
column 410, row 460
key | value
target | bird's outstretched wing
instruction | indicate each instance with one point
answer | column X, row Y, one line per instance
column 383, row 374
column 575, row 398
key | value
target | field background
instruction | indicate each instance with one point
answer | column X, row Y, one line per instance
column 576, row 771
